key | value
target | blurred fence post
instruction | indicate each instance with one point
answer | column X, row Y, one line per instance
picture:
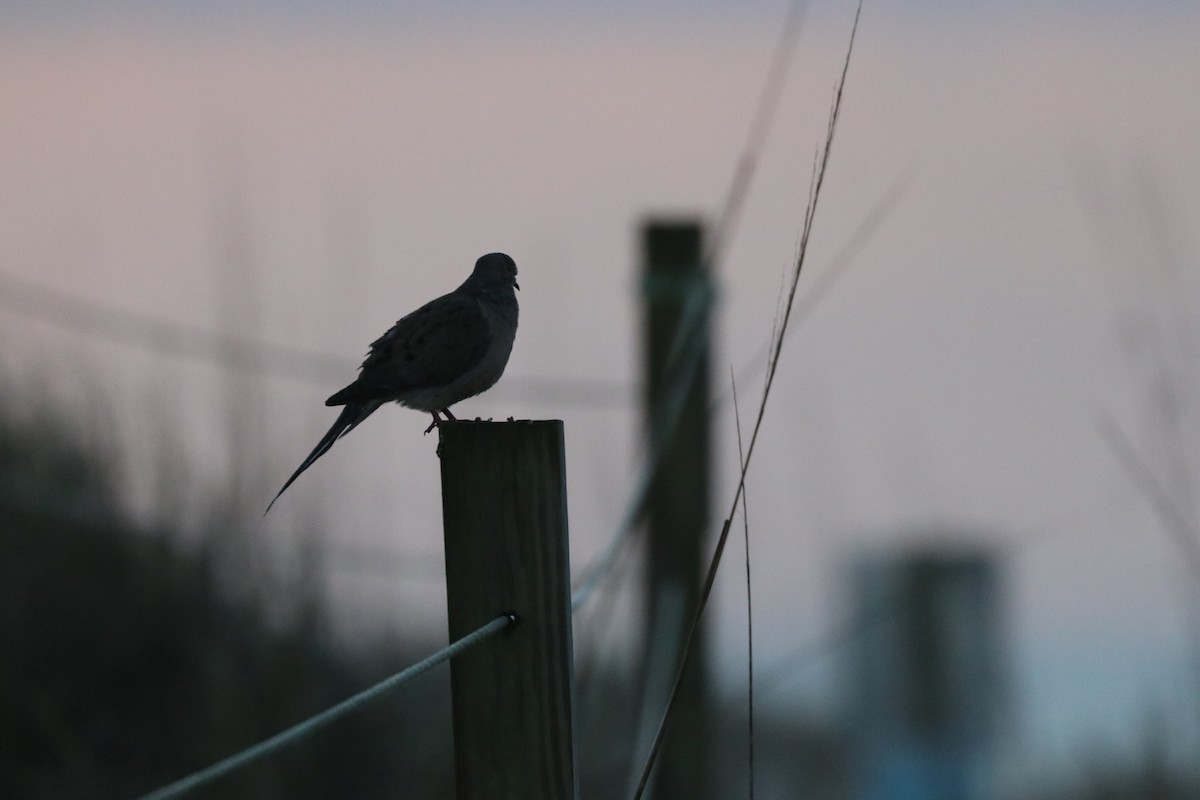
column 677, row 294
column 928, row 674
column 504, row 508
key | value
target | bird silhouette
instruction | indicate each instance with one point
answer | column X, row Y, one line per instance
column 447, row 350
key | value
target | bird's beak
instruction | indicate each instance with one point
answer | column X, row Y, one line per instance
column 517, row 285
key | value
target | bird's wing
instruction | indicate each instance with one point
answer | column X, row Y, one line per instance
column 431, row 347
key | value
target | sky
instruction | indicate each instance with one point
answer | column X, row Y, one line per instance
column 304, row 178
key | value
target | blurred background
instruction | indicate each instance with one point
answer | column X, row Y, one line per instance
column 208, row 211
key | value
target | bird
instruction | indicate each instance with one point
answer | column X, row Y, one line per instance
column 447, row 350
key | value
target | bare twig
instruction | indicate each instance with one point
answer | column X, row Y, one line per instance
column 825, row 281
column 821, row 165
column 737, row 421
column 1174, row 519
column 682, row 362
column 764, row 115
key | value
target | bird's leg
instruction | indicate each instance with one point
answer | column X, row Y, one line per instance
column 436, row 421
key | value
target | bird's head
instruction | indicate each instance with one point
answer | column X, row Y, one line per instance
column 497, row 268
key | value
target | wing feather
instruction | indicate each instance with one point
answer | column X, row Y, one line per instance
column 428, row 348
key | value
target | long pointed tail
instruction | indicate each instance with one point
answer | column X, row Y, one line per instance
column 351, row 415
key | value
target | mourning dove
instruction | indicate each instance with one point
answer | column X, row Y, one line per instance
column 447, row 350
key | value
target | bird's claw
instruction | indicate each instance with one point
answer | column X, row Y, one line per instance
column 436, row 421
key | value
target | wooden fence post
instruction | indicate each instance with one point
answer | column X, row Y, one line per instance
column 928, row 672
column 677, row 291
column 504, row 509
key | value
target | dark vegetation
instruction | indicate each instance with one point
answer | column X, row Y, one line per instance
column 133, row 654
column 127, row 660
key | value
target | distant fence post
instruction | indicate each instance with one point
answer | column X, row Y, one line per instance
column 504, row 508
column 928, row 672
column 678, row 294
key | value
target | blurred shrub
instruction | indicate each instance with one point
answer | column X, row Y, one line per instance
column 126, row 662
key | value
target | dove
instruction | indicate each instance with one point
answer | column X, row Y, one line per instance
column 447, row 350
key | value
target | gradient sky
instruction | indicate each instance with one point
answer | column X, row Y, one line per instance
column 307, row 178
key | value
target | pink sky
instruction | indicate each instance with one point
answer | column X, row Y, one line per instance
column 953, row 377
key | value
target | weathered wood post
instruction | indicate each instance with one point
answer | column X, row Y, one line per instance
column 504, row 509
column 678, row 295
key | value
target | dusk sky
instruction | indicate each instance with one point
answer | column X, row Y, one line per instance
column 305, row 177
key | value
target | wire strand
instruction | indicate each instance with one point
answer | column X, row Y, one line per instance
column 298, row 731
column 176, row 340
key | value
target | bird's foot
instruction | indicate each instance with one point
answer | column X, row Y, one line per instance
column 438, row 420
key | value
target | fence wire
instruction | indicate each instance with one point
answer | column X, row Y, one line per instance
column 298, row 731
